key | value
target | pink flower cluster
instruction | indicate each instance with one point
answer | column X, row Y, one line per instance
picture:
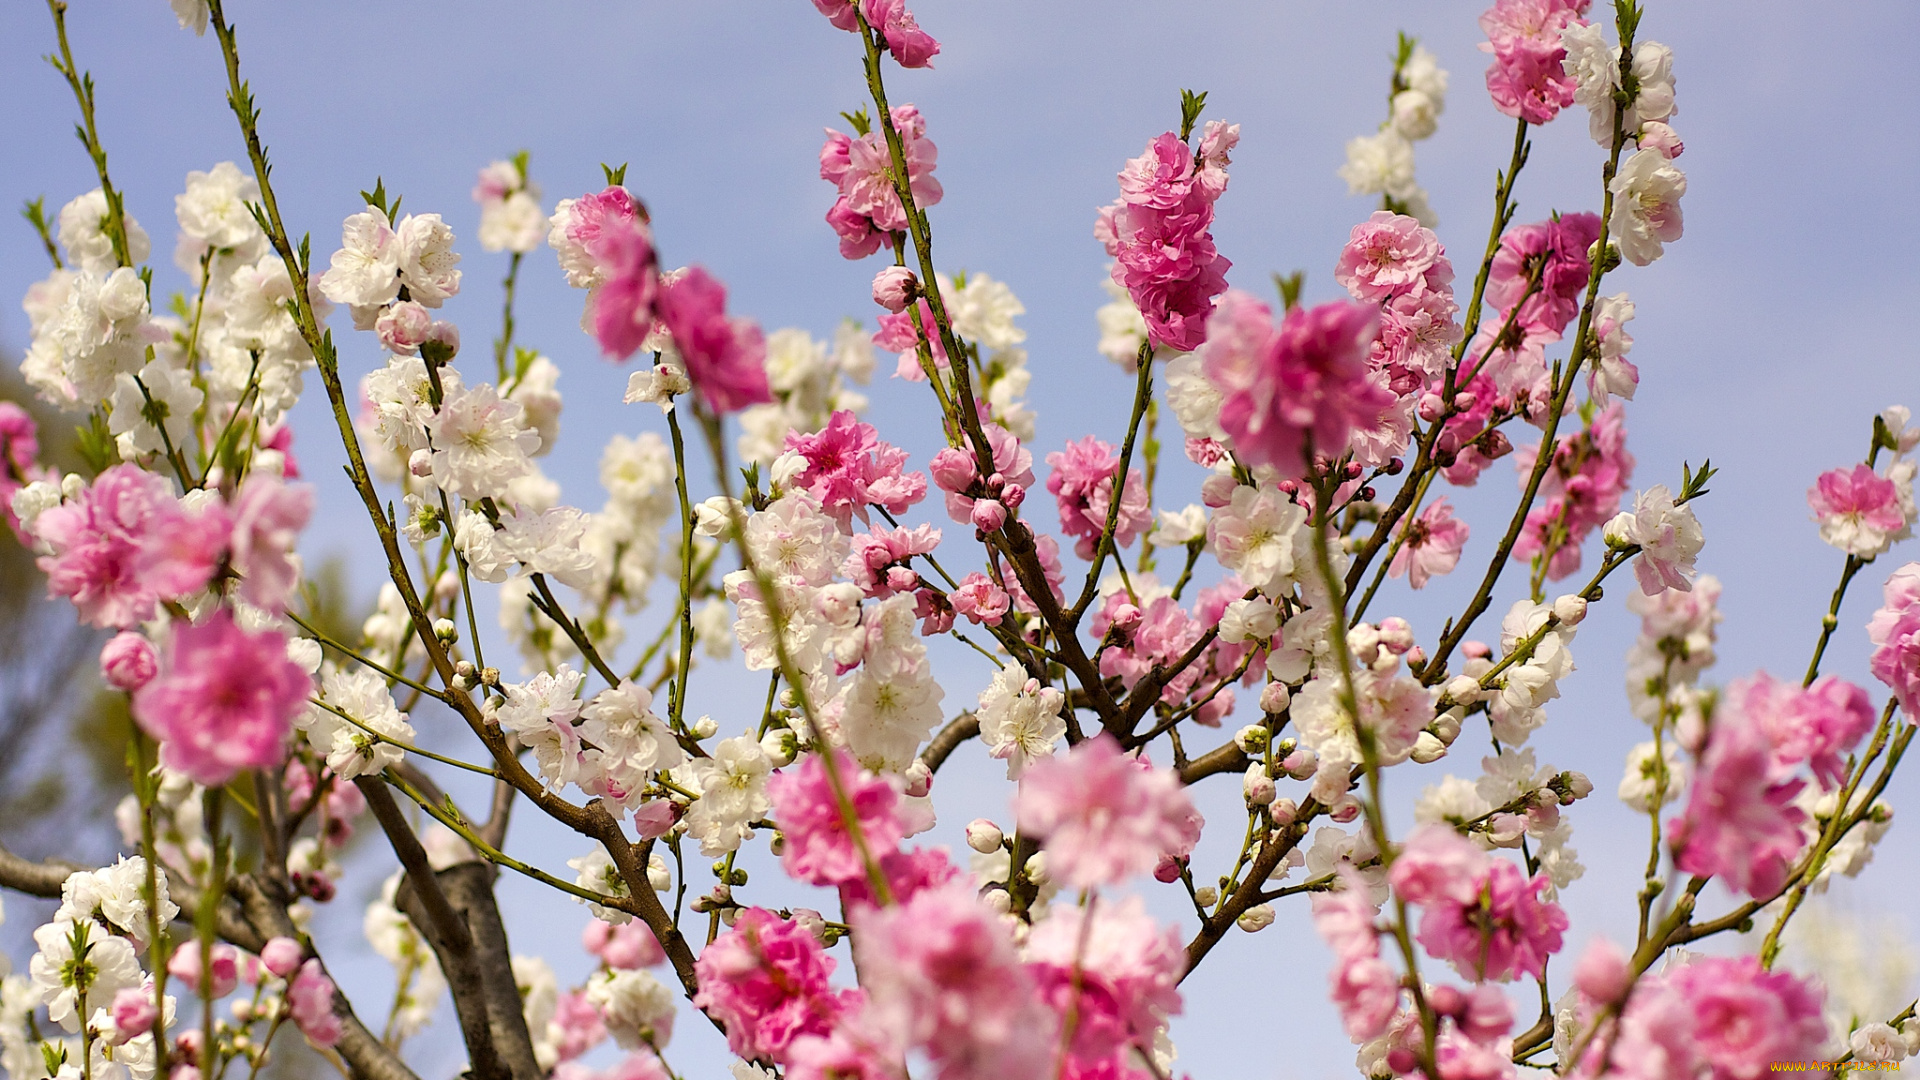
column 19, row 459
column 1895, row 633
column 1527, row 316
column 985, row 502
column 1581, row 491
column 879, row 562
column 1527, row 79
column 1104, row 816
column 1481, row 913
column 1365, row 989
column 627, row 947
column 1161, row 634
column 224, row 700
column 1298, row 392
column 310, row 1003
column 1715, row 1017
column 911, row 46
column 819, row 849
column 1860, row 512
column 766, row 981
column 869, row 206
column 124, row 544
column 1740, row 821
column 1158, row 233
column 1392, row 260
column 1114, row 970
column 1082, row 483
column 849, row 467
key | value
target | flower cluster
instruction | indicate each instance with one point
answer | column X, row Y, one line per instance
column 1159, row 233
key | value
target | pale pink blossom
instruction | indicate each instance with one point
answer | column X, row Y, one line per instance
column 1082, row 483
column 281, row 956
column 911, row 46
column 1391, row 255
column 133, row 1012
column 1859, row 510
column 819, row 849
column 1434, row 540
column 1481, row 913
column 1119, row 976
column 849, row 468
column 861, row 168
column 766, row 981
column 267, row 518
column 725, row 357
column 980, row 599
column 1364, row 989
column 627, row 947
column 1646, row 205
column 955, row 471
column 1715, row 1018
column 224, row 701
column 1581, row 491
column 1527, row 79
column 1295, row 392
column 880, row 551
column 894, row 288
column 1103, row 816
column 223, row 972
column 1604, row 973
column 1818, row 724
column 125, row 543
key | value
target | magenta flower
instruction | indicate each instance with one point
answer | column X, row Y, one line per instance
column 1558, row 248
column 850, row 468
column 1119, row 977
column 1432, row 547
column 624, row 302
column 224, row 701
column 907, row 873
column 583, row 227
column 1297, row 391
column 911, row 46
column 1740, row 822
column 1104, row 817
column 726, row 358
column 1158, row 234
column 861, row 168
column 125, row 544
column 1859, row 511
column 1583, row 488
column 766, row 980
column 127, row 661
column 819, row 848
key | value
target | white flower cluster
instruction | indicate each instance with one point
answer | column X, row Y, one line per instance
column 374, row 739
column 1513, row 803
column 1382, row 163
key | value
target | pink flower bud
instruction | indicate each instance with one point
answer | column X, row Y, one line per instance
column 1257, row 786
column 223, row 972
column 1661, row 139
column 1345, row 809
column 1274, row 697
column 1217, row 490
column 901, row 579
column 1446, row 1000
column 894, row 288
column 1602, row 973
column 1475, row 650
column 1013, row 495
column 133, row 1012
column 403, row 327
column 1395, row 635
column 1126, row 617
column 631, row 947
column 952, row 470
column 989, row 515
column 1301, row 763
column 282, row 956
column 128, row 661
column 1431, row 407
column 984, row 836
column 1167, row 871
column 919, row 780
column 420, row 463
column 446, row 334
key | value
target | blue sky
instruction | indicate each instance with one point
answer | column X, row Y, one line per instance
column 1766, row 339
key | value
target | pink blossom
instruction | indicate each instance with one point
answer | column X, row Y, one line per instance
column 911, row 46
column 1505, row 931
column 856, row 1050
column 941, row 970
column 907, row 872
column 1392, row 255
column 124, row 544
column 581, row 226
column 726, row 358
column 850, row 468
column 1158, row 234
column 1660, row 138
column 1434, row 540
column 224, row 701
column 1603, row 974
column 1859, row 511
column 1047, row 551
column 1102, row 816
column 133, row 1013
column 956, row 472
column 1365, row 989
column 581, row 1028
column 980, row 599
column 1082, row 482
column 841, row 13
column 128, row 661
column 1740, row 821
column 1417, row 336
column 1118, row 978
column 1297, row 391
column 1817, row 724
column 627, row 947
column 766, row 981
column 881, row 550
column 1527, row 79
column 1438, row 866
column 310, row 1002
column 818, row 847
column 1713, row 1017
column 894, row 288
column 861, row 168
column 1557, row 251
column 625, row 303
column 1895, row 633
column 282, row 956
column 224, row 972
column 267, row 518
column 1582, row 488
column 19, row 454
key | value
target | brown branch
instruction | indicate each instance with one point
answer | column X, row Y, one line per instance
column 958, row 730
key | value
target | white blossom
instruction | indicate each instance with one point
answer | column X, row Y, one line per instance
column 480, row 443
column 377, row 744
column 1253, row 535
column 213, row 212
column 426, row 259
column 982, row 311
column 82, row 230
column 732, row 785
column 595, row 871
column 365, row 272
column 1642, row 777
column 541, row 713
column 1020, row 719
column 110, row 966
column 169, row 394
column 1646, row 206
column 1379, row 164
column 117, row 894
column 638, row 1009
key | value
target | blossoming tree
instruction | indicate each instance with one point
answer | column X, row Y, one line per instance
column 795, row 530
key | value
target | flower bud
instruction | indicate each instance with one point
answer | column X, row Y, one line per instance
column 1125, row 618
column 998, row 901
column 1432, row 407
column 1283, row 811
column 1216, row 490
column 705, row 727
column 902, row 579
column 1251, row 739
column 1013, row 495
column 894, row 288
column 1463, row 689
column 1301, row 763
column 781, row 747
column 1428, row 749
column 128, row 662
column 785, row 468
column 1274, row 697
column 989, row 515
column 1395, row 634
column 420, row 463
column 1167, row 870
column 133, row 1013
column 282, row 956
column 1256, row 918
column 1345, row 809
column 1206, row 896
column 919, row 780
column 984, row 836
column 444, row 630
column 1257, row 786
column 1570, row 609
